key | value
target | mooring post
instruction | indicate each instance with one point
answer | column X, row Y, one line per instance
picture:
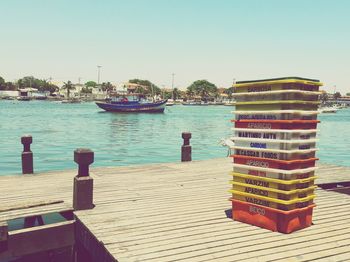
column 27, row 155
column 186, row 149
column 83, row 183
column 3, row 236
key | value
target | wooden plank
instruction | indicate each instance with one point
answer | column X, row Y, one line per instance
column 245, row 246
column 28, row 204
column 194, row 229
column 37, row 239
column 35, row 211
column 89, row 243
column 335, row 254
column 311, row 250
column 222, row 229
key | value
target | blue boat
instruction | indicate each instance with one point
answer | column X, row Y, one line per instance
column 132, row 103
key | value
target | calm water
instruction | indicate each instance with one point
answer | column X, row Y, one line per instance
column 124, row 139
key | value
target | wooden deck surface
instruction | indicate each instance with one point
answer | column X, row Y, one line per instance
column 178, row 212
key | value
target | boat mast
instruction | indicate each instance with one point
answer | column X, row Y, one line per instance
column 172, row 86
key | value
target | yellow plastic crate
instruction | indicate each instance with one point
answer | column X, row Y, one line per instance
column 277, row 95
column 273, row 202
column 273, row 183
column 272, row 192
column 277, row 105
column 274, row 172
column 286, row 83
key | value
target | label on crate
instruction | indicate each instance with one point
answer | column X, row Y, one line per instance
column 257, row 201
column 258, row 145
column 256, row 191
column 258, row 163
column 270, row 155
column 256, row 173
column 307, row 146
column 256, row 182
column 256, row 210
column 258, row 116
column 257, row 135
column 259, row 88
column 259, row 125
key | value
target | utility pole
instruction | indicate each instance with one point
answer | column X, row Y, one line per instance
column 152, row 92
column 98, row 75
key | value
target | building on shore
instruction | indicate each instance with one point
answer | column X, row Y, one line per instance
column 9, row 93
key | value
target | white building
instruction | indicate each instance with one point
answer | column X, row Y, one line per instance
column 9, row 93
column 29, row 91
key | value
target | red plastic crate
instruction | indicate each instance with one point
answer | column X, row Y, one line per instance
column 274, row 163
column 272, row 219
column 276, row 124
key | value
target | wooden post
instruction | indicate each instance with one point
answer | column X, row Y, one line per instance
column 3, row 231
column 27, row 155
column 83, row 183
column 186, row 149
column 3, row 237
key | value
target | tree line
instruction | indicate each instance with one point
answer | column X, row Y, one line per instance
column 28, row 81
column 202, row 89
column 198, row 89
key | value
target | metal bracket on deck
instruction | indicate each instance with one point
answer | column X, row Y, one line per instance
column 334, row 185
column 340, row 187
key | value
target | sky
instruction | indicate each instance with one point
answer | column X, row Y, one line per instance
column 216, row 40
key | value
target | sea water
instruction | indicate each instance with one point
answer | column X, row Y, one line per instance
column 138, row 138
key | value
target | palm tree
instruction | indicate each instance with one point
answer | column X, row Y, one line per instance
column 324, row 98
column 68, row 86
column 107, row 87
column 337, row 95
column 176, row 93
column 229, row 92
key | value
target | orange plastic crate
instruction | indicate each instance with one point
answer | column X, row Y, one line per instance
column 272, row 219
column 274, row 163
column 276, row 124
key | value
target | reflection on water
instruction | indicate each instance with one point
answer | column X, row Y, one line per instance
column 124, row 139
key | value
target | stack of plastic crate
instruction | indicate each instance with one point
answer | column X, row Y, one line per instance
column 274, row 153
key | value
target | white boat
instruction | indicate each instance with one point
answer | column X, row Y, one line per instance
column 328, row 110
column 231, row 103
column 71, row 101
column 23, row 98
column 170, row 102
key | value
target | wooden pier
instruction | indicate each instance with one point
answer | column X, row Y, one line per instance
column 165, row 212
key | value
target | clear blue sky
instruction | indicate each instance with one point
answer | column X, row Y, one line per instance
column 217, row 40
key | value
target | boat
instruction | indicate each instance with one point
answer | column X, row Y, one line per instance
column 131, row 103
column 230, row 103
column 216, row 103
column 23, row 98
column 195, row 103
column 170, row 102
column 71, row 101
column 40, row 97
column 8, row 98
column 327, row 110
